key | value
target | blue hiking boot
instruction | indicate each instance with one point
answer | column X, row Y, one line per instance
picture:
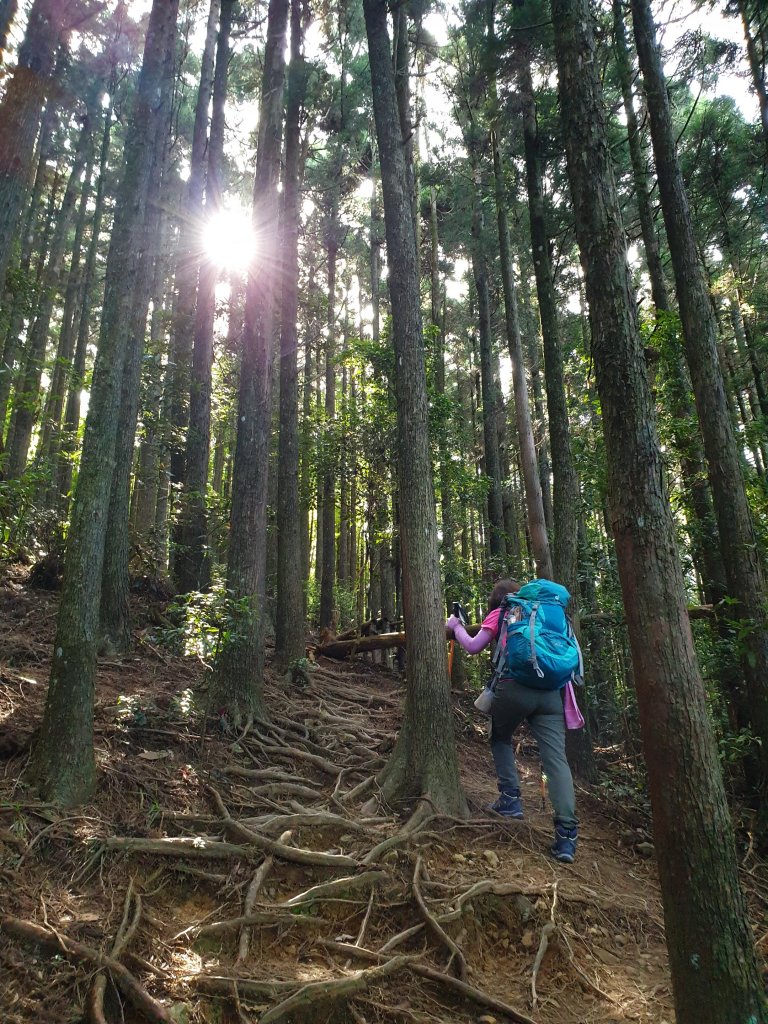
column 564, row 846
column 509, row 805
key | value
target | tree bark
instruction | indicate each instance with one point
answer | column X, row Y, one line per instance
column 537, row 526
column 28, row 236
column 26, row 400
column 8, row 9
column 328, row 538
column 192, row 563
column 746, row 583
column 424, row 759
column 497, row 548
column 77, row 373
column 54, row 405
column 30, row 85
column 714, row 972
column 63, row 760
column 239, row 670
column 188, row 258
column 757, row 60
column 289, row 616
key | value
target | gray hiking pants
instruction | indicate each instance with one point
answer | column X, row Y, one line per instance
column 543, row 710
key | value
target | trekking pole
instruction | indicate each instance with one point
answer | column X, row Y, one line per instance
column 461, row 615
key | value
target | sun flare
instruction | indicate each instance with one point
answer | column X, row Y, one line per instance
column 229, row 240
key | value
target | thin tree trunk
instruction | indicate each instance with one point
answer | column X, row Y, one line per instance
column 63, row 760
column 30, row 84
column 188, row 258
column 329, row 449
column 54, row 406
column 714, row 972
column 28, row 238
column 537, row 526
column 757, row 61
column 8, row 9
column 26, row 400
column 77, row 373
column 497, row 547
column 424, row 759
column 239, row 670
column 192, row 563
column 289, row 615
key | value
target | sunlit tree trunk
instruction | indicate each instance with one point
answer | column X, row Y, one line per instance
column 63, row 759
column 188, row 256
column 714, row 972
column 192, row 564
column 239, row 670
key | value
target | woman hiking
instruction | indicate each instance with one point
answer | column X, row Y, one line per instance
column 513, row 702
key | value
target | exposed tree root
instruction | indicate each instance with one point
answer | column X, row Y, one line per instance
column 469, row 992
column 432, row 924
column 76, row 952
column 294, row 854
column 125, row 933
column 179, row 847
column 546, row 931
column 333, row 990
column 264, row 919
column 257, row 882
column 329, row 889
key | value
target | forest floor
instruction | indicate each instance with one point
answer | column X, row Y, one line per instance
column 351, row 917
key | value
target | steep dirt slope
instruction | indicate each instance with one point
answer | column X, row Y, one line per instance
column 352, row 913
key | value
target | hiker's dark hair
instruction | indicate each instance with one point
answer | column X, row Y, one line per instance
column 500, row 591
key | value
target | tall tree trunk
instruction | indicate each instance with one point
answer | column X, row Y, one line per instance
column 28, row 238
column 746, row 583
column 329, row 448
column 8, row 9
column 714, row 972
column 30, row 84
column 424, row 759
column 756, row 40
column 639, row 164
column 239, row 670
column 289, row 616
column 565, row 483
column 54, row 406
column 537, row 526
column 192, row 563
column 63, row 760
column 77, row 373
column 26, row 400
column 497, row 547
column 188, row 258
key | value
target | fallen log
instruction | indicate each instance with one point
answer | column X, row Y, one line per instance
column 342, row 649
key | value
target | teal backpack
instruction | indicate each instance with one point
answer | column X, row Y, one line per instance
column 541, row 650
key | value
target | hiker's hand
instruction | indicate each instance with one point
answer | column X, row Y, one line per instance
column 452, row 622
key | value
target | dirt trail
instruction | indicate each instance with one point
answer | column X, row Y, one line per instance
column 186, row 836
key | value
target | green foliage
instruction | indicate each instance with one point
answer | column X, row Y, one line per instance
column 205, row 622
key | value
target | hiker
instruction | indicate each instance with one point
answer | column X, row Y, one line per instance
column 512, row 703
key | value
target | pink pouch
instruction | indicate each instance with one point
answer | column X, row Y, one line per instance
column 573, row 717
